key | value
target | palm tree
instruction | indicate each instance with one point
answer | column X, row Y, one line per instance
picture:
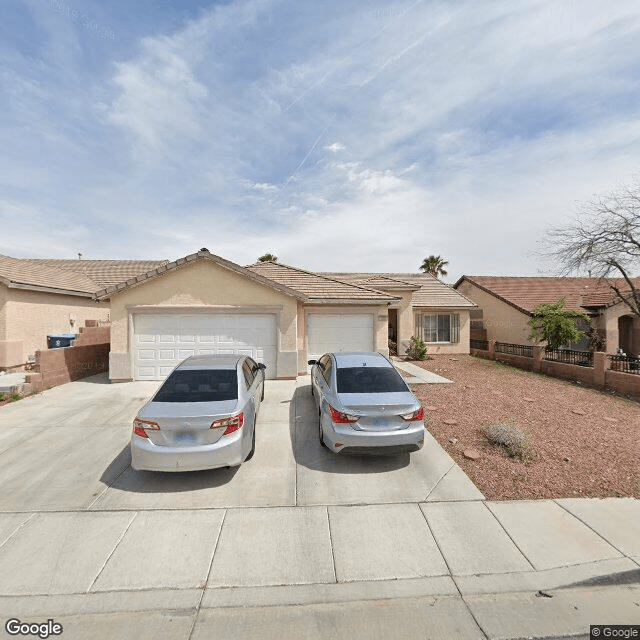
column 435, row 265
column 268, row 257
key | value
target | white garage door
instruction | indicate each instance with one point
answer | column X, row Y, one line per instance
column 162, row 341
column 339, row 332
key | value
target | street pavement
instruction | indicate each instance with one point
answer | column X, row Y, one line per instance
column 296, row 543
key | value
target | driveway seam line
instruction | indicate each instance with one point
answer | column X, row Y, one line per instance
column 333, row 555
column 453, row 464
column 573, row 515
column 13, row 446
column 206, row 582
column 517, row 546
column 13, row 533
column 453, row 579
column 118, row 541
column 107, row 487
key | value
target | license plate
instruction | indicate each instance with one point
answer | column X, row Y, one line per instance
column 185, row 438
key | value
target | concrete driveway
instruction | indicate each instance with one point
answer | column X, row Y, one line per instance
column 297, row 542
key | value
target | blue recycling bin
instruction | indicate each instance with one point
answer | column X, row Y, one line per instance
column 60, row 340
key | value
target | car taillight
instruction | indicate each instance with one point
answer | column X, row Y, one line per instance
column 341, row 418
column 140, row 427
column 232, row 424
column 414, row 416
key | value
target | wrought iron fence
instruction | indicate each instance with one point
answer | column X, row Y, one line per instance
column 626, row 364
column 569, row 356
column 479, row 344
column 524, row 350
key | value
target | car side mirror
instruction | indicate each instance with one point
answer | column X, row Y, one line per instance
column 312, row 362
column 262, row 366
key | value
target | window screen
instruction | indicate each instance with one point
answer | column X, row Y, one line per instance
column 441, row 327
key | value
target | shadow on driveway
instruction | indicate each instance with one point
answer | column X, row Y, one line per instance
column 119, row 475
column 307, row 451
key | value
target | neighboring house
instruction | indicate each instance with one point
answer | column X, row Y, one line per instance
column 44, row 297
column 505, row 305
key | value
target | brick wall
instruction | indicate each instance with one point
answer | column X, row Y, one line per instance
column 88, row 356
column 599, row 376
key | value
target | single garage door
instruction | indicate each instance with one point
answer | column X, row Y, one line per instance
column 339, row 332
column 162, row 341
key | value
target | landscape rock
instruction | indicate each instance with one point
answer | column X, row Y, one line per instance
column 471, row 454
column 450, row 422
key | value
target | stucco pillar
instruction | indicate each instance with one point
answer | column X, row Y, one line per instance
column 538, row 356
column 491, row 348
column 600, row 365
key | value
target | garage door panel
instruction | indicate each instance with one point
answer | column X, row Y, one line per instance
column 178, row 336
column 339, row 332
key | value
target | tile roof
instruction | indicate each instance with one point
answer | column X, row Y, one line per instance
column 430, row 292
column 526, row 293
column 200, row 255
column 319, row 287
column 103, row 272
column 27, row 274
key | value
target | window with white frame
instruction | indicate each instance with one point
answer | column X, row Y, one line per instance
column 439, row 327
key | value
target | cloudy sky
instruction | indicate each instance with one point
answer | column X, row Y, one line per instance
column 339, row 136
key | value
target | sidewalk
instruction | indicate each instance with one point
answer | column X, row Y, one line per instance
column 471, row 569
column 419, row 375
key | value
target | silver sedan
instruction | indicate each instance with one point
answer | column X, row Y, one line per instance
column 202, row 417
column 364, row 405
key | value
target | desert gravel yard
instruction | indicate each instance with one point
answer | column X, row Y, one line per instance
column 586, row 443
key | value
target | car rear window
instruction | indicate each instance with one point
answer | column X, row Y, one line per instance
column 369, row 380
column 187, row 385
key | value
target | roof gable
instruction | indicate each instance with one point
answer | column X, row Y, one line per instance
column 167, row 267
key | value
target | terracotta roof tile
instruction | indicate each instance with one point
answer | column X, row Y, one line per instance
column 103, row 272
column 431, row 293
column 318, row 286
column 29, row 273
column 526, row 293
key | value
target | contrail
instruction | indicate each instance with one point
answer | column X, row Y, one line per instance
column 315, row 144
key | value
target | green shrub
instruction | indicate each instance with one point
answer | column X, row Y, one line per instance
column 393, row 347
column 15, row 396
column 514, row 440
column 2, row 397
column 417, row 350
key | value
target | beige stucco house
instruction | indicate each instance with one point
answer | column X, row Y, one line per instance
column 505, row 305
column 280, row 315
column 161, row 311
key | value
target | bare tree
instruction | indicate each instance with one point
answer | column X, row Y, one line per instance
column 604, row 240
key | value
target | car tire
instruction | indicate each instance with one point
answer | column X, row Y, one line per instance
column 253, row 444
column 313, row 393
column 262, row 396
column 320, row 436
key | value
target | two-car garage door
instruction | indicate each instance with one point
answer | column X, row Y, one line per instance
column 161, row 341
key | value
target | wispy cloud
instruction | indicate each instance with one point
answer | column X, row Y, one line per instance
column 387, row 131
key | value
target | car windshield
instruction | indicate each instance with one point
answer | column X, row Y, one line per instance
column 199, row 385
column 369, row 380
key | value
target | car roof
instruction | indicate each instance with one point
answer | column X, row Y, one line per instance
column 360, row 359
column 213, row 361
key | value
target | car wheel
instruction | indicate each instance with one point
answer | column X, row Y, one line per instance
column 313, row 393
column 253, row 444
column 320, row 436
column 262, row 396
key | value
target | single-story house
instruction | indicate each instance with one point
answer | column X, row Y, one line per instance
column 45, row 297
column 505, row 305
column 161, row 312
column 278, row 314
